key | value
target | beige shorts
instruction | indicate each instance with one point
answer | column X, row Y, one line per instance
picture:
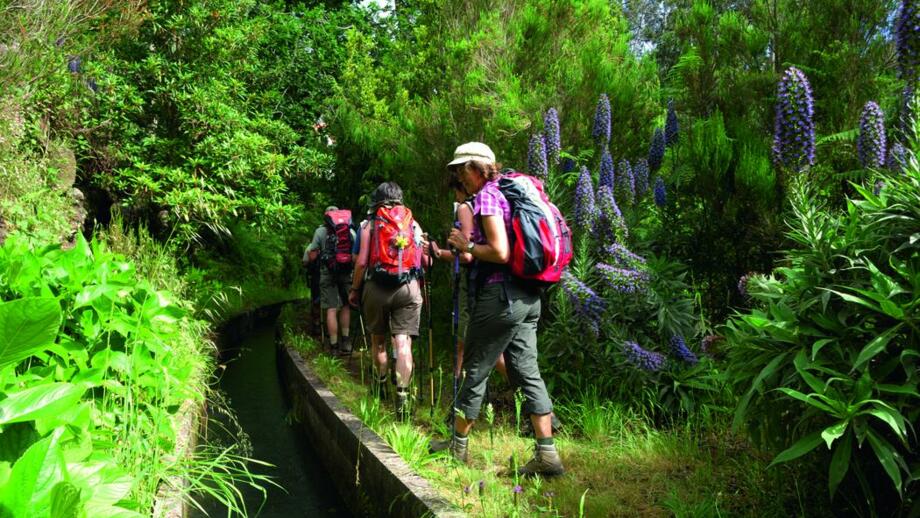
column 333, row 289
column 393, row 311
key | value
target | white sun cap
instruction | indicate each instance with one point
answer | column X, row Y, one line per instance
column 473, row 151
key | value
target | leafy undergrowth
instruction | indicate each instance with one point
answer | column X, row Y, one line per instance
column 617, row 463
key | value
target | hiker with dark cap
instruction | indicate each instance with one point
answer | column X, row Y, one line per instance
column 504, row 311
column 331, row 247
column 389, row 263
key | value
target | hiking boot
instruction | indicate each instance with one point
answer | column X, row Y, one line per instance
column 403, row 410
column 545, row 462
column 458, row 448
column 344, row 348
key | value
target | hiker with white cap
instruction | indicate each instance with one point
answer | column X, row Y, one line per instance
column 504, row 311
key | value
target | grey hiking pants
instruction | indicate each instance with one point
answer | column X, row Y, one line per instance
column 503, row 324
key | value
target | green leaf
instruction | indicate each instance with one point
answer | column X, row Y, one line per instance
column 769, row 369
column 887, row 456
column 810, row 399
column 27, row 326
column 833, row 432
column 32, row 478
column 801, row 447
column 38, row 402
column 840, row 462
column 65, row 500
column 892, row 418
column 818, row 345
column 874, row 347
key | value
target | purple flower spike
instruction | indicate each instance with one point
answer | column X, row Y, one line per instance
column 623, row 258
column 639, row 357
column 742, row 285
column 568, row 165
column 640, row 173
column 536, row 157
column 551, row 130
column 601, row 131
column 610, row 227
column 606, row 172
column 671, row 126
column 870, row 143
column 794, row 127
column 906, row 119
column 907, row 44
column 518, row 488
column 74, row 64
column 661, row 194
column 879, row 185
column 625, row 188
column 482, row 487
column 679, row 348
column 585, row 211
column 897, row 158
column 589, row 307
column 656, row 151
column 623, row 280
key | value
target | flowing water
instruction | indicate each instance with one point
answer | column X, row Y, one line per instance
column 253, row 388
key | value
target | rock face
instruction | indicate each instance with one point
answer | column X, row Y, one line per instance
column 62, row 159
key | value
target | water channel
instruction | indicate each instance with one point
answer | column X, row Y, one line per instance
column 253, row 388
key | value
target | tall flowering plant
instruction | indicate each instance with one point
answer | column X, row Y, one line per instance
column 553, row 139
column 656, row 151
column 584, row 209
column 625, row 183
column 794, row 126
column 606, row 170
column 870, row 143
column 601, row 129
column 907, row 34
column 536, row 157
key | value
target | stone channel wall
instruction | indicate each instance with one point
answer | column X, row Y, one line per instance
column 371, row 478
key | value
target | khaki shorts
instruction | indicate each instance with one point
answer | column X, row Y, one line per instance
column 333, row 289
column 393, row 311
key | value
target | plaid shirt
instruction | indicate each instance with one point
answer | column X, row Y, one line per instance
column 490, row 201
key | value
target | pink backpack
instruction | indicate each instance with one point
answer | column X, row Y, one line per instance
column 541, row 242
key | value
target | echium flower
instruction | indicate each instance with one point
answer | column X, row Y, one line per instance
column 671, row 126
column 897, row 157
column 906, row 118
column 907, row 29
column 639, row 357
column 625, row 183
column 656, row 151
column 661, row 194
column 879, row 185
column 74, row 64
column 551, row 130
column 794, row 126
column 743, row 284
column 623, row 280
column 610, row 224
column 870, row 143
column 679, row 348
column 536, row 157
column 585, row 211
column 606, row 171
column 624, row 258
column 589, row 307
column 640, row 172
column 601, row 131
column 568, row 165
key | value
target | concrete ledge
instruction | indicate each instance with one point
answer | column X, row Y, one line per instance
column 371, row 478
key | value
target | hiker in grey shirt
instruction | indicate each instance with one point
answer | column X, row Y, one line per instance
column 333, row 290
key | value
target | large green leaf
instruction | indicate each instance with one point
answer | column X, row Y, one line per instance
column 840, row 462
column 768, row 370
column 39, row 402
column 27, row 491
column 65, row 501
column 874, row 347
column 887, row 456
column 801, row 447
column 27, row 326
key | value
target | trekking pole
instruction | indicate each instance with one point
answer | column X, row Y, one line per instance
column 455, row 331
column 430, row 334
column 364, row 337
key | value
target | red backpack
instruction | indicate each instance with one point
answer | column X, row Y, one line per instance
column 394, row 256
column 337, row 249
column 541, row 242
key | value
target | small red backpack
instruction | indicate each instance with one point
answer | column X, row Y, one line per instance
column 394, row 256
column 339, row 241
column 541, row 242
